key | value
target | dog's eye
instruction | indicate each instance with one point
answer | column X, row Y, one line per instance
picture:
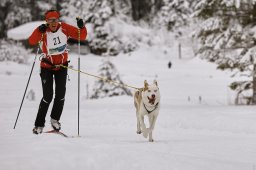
column 149, row 91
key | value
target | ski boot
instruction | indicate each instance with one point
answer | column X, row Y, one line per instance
column 37, row 130
column 55, row 124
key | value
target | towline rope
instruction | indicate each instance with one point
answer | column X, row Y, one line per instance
column 101, row 78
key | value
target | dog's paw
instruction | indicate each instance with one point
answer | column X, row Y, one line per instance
column 151, row 140
column 138, row 132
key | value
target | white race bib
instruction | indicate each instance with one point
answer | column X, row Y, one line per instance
column 56, row 42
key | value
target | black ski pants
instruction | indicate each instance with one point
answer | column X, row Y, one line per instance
column 49, row 76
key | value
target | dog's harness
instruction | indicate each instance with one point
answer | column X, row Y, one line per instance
column 156, row 106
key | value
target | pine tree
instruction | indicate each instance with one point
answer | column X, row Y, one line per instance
column 19, row 55
column 75, row 8
column 141, row 9
column 100, row 14
column 174, row 14
column 4, row 8
column 105, row 88
column 226, row 37
column 16, row 12
column 19, row 15
column 39, row 7
column 105, row 40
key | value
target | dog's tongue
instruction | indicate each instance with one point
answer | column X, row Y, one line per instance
column 151, row 100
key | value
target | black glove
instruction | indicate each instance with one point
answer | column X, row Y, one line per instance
column 80, row 23
column 42, row 28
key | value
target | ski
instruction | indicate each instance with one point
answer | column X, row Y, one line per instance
column 57, row 132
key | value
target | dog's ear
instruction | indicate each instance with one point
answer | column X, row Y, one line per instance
column 145, row 85
column 155, row 82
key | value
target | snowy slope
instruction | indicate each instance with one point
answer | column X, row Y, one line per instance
column 189, row 135
column 22, row 32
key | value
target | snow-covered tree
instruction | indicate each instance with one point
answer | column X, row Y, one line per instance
column 105, row 39
column 101, row 11
column 39, row 7
column 227, row 37
column 141, row 9
column 111, row 84
column 174, row 14
column 16, row 12
column 5, row 7
column 18, row 16
column 74, row 8
column 100, row 15
column 19, row 55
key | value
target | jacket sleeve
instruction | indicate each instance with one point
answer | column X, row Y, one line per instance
column 35, row 37
column 73, row 31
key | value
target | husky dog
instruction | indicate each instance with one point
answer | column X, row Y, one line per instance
column 147, row 102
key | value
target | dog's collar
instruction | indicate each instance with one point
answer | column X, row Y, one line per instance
column 156, row 106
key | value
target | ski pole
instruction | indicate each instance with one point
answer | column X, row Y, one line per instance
column 28, row 81
column 78, row 109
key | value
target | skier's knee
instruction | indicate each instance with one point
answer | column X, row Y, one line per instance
column 47, row 99
column 59, row 99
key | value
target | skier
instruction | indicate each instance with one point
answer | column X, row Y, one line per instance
column 53, row 37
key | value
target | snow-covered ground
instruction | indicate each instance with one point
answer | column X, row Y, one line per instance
column 190, row 134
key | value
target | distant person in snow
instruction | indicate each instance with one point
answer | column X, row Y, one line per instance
column 169, row 64
column 53, row 37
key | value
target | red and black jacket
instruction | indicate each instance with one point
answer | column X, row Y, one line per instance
column 69, row 30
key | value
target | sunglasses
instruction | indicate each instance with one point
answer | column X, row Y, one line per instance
column 52, row 20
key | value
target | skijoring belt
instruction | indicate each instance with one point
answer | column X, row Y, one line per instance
column 53, row 65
